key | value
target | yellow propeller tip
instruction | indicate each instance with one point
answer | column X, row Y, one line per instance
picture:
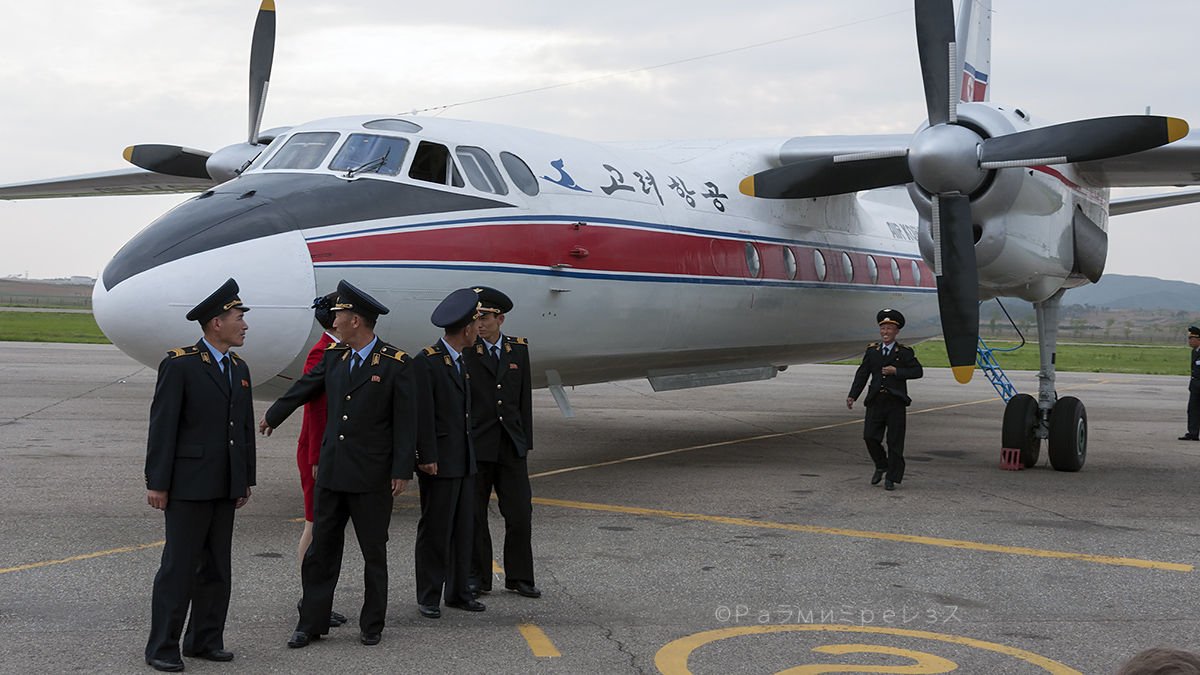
column 963, row 373
column 267, row 6
column 1176, row 129
column 127, row 153
column 746, row 187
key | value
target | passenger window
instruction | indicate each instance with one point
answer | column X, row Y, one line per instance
column 481, row 170
column 520, row 174
column 304, row 151
column 368, row 153
column 432, row 163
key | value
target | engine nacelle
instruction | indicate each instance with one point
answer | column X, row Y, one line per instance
column 1036, row 229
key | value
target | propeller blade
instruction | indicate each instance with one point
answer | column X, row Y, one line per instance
column 262, row 55
column 935, row 40
column 172, row 160
column 828, row 176
column 1081, row 141
column 958, row 283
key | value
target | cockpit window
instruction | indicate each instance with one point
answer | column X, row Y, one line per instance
column 432, row 163
column 519, row 172
column 480, row 170
column 391, row 124
column 368, row 153
column 262, row 156
column 304, row 150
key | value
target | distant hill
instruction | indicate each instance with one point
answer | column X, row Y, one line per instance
column 1119, row 291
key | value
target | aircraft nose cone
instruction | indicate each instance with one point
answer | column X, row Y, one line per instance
column 144, row 314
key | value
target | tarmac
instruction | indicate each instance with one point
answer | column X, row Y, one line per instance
column 725, row 529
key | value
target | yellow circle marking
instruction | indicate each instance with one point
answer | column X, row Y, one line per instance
column 926, row 664
column 673, row 657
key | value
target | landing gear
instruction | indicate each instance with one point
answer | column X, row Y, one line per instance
column 1062, row 422
column 1021, row 427
column 1067, row 443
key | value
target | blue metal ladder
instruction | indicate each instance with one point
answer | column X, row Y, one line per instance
column 986, row 361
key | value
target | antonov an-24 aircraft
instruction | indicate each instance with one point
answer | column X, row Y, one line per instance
column 686, row 263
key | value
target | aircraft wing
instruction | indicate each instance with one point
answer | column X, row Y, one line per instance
column 131, row 181
column 1125, row 205
column 1176, row 163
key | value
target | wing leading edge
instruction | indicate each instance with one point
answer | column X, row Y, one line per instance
column 132, row 181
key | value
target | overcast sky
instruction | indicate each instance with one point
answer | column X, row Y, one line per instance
column 82, row 81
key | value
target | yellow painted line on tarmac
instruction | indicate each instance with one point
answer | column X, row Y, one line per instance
column 496, row 568
column 85, row 556
column 539, row 642
column 867, row 534
column 672, row 659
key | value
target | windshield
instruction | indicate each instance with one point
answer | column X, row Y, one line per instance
column 304, row 151
column 368, row 153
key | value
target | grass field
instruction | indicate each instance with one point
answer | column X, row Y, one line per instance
column 49, row 327
column 1086, row 358
column 1077, row 358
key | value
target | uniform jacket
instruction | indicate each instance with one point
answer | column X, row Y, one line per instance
column 445, row 414
column 1194, row 383
column 371, row 421
column 873, row 361
column 312, row 425
column 201, row 440
column 501, row 398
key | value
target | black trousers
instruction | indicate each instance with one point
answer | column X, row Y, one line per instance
column 510, row 478
column 1193, row 428
column 322, row 565
column 195, row 570
column 886, row 413
column 444, row 537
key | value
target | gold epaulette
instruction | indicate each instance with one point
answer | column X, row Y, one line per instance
column 393, row 353
column 903, row 346
column 183, row 351
column 337, row 345
column 430, row 351
column 518, row 340
column 873, row 345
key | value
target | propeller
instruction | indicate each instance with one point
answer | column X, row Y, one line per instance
column 226, row 163
column 949, row 162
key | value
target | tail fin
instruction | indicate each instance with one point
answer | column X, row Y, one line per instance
column 975, row 48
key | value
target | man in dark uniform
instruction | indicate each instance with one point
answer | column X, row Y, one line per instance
column 890, row 366
column 366, row 460
column 1193, row 409
column 502, row 431
column 446, row 461
column 199, row 468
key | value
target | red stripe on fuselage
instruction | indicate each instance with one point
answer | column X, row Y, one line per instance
column 604, row 248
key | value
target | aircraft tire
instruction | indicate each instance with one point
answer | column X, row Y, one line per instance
column 1068, row 434
column 1020, row 428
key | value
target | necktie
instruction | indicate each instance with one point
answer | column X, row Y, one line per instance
column 227, row 370
column 495, row 355
column 355, row 360
column 458, row 364
column 887, row 351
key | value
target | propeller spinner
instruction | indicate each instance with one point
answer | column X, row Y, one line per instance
column 949, row 162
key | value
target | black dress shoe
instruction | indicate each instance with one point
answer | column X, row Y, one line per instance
column 469, row 605
column 165, row 665
column 336, row 619
column 211, row 655
column 370, row 638
column 301, row 639
column 523, row 588
column 430, row 611
column 1189, row 437
column 876, row 477
column 889, row 485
